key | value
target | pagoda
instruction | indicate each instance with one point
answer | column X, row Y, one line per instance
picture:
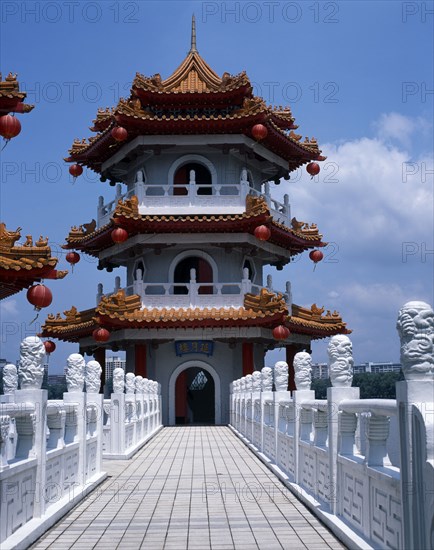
column 193, row 158
column 20, row 265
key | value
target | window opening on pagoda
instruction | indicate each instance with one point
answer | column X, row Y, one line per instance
column 191, row 174
column 199, row 381
column 184, row 271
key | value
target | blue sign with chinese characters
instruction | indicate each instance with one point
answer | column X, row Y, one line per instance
column 182, row 347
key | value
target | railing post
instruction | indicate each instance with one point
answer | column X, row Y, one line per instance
column 93, row 385
column 193, row 288
column 341, row 374
column 287, row 206
column 416, row 423
column 100, row 210
column 75, row 396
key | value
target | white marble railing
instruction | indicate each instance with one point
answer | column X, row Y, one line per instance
column 193, row 294
column 51, row 451
column 334, row 453
column 50, row 459
column 131, row 418
column 159, row 199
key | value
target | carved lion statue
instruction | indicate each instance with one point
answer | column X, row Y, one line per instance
column 303, row 370
column 75, row 368
column 267, row 379
column 281, row 376
column 415, row 327
column 93, row 377
column 340, row 352
column 10, row 378
column 118, row 380
column 30, row 367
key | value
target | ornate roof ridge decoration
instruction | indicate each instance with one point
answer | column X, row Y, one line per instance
column 314, row 316
column 11, row 97
column 23, row 265
column 305, row 230
column 274, row 310
column 118, row 303
column 28, row 252
column 73, row 320
column 265, row 302
column 256, row 206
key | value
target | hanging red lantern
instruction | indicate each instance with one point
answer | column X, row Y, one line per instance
column 280, row 332
column 119, row 133
column 49, row 346
column 10, row 127
column 262, row 233
column 316, row 256
column 313, row 168
column 119, row 235
column 76, row 170
column 72, row 258
column 259, row 132
column 101, row 335
column 39, row 296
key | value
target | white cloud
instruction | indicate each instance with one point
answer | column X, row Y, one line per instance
column 397, row 127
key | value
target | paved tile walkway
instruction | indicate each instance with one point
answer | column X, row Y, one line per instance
column 190, row 488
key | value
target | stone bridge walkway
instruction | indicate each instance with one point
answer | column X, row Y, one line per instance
column 190, row 488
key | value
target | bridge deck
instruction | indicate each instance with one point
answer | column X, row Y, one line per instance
column 190, row 487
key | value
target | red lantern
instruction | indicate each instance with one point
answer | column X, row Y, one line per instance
column 280, row 332
column 72, row 258
column 119, row 133
column 259, row 132
column 101, row 335
column 10, row 126
column 313, row 168
column 119, row 235
column 39, row 296
column 262, row 233
column 316, row 256
column 49, row 346
column 76, row 170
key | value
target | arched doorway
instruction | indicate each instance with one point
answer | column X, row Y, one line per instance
column 180, row 402
column 203, row 179
column 203, row 274
column 194, row 397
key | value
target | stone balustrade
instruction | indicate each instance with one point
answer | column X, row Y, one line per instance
column 364, row 466
column 51, row 451
column 131, row 416
column 160, row 199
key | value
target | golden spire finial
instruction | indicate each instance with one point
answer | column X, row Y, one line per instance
column 193, row 47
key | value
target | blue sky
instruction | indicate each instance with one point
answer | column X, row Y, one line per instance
column 357, row 76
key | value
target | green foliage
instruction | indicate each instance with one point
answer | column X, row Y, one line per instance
column 379, row 385
column 372, row 386
column 56, row 391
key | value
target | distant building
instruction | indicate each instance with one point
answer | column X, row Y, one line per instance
column 112, row 363
column 56, row 379
column 320, row 370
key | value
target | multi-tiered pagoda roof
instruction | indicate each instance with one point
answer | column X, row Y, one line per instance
column 193, row 100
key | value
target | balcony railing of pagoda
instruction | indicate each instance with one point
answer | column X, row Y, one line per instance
column 194, row 294
column 155, row 198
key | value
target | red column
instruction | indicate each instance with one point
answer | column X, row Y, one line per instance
column 99, row 355
column 140, row 363
column 248, row 364
column 291, row 350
